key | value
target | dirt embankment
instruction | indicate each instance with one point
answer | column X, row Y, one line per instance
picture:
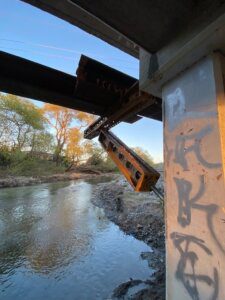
column 141, row 215
column 15, row 181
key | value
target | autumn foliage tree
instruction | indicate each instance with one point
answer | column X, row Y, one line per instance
column 68, row 137
column 32, row 135
column 77, row 148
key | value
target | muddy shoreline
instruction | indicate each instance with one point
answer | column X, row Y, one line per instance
column 16, row 181
column 140, row 215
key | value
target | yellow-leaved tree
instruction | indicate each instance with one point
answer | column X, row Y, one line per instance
column 77, row 148
column 67, row 127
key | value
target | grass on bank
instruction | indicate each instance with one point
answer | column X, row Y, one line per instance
column 18, row 163
column 32, row 167
column 21, row 164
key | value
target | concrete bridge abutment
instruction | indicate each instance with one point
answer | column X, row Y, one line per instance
column 194, row 158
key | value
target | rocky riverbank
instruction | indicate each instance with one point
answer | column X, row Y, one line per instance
column 141, row 215
column 15, row 181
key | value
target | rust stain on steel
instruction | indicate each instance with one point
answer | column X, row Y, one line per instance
column 133, row 102
column 124, row 101
column 114, row 83
column 117, row 92
column 138, row 173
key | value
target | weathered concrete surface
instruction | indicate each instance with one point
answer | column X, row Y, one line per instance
column 128, row 24
column 194, row 122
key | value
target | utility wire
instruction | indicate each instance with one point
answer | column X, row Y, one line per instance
column 58, row 48
column 54, row 55
column 38, row 52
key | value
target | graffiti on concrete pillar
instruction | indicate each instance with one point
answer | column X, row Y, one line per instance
column 194, row 139
column 186, row 202
column 178, row 110
column 192, row 193
column 187, row 271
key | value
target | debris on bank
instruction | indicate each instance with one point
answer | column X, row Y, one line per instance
column 141, row 215
column 16, row 181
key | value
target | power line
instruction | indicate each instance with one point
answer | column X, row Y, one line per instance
column 38, row 52
column 58, row 48
column 54, row 55
column 41, row 45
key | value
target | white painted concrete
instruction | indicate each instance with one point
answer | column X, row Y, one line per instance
column 194, row 139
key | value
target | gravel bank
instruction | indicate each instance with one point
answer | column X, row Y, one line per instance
column 15, row 181
column 141, row 215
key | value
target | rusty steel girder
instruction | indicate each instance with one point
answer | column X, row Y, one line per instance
column 132, row 103
column 125, row 103
column 107, row 85
column 138, row 173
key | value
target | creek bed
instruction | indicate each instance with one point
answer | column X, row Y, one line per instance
column 55, row 244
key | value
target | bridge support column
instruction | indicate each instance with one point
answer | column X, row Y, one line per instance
column 194, row 156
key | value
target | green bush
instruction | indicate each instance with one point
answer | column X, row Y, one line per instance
column 109, row 166
column 17, row 157
column 17, row 163
column 95, row 160
column 36, row 167
column 102, row 164
column 5, row 157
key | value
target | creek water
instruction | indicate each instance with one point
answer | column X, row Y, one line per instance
column 54, row 244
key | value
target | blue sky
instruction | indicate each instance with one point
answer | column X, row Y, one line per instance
column 36, row 35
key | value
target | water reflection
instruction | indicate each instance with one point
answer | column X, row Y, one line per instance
column 55, row 243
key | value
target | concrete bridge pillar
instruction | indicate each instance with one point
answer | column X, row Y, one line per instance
column 194, row 156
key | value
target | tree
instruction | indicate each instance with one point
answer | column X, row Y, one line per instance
column 19, row 118
column 61, row 120
column 100, row 159
column 42, row 142
column 144, row 154
column 77, row 148
column 97, row 155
